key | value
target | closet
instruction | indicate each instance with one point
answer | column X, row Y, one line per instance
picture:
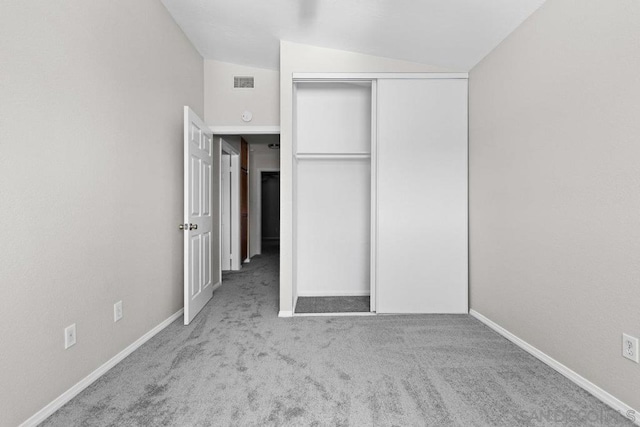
column 380, row 190
column 333, row 188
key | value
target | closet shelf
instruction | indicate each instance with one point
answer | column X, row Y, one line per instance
column 332, row 156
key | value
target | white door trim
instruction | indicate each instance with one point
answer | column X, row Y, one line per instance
column 245, row 130
column 373, row 242
column 372, row 76
column 225, row 211
column 236, row 262
column 228, row 149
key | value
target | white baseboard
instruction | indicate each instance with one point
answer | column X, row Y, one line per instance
column 65, row 397
column 216, row 286
column 346, row 314
column 285, row 313
column 604, row 396
column 334, row 293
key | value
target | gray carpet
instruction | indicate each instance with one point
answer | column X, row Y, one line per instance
column 238, row 364
column 350, row 304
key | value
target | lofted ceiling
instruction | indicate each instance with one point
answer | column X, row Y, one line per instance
column 454, row 34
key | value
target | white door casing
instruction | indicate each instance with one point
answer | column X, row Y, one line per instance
column 230, row 169
column 226, row 219
column 198, row 215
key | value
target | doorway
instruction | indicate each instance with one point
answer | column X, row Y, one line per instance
column 264, row 193
column 243, row 158
column 269, row 232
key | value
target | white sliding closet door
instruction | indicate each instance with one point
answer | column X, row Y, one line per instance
column 332, row 188
column 422, row 196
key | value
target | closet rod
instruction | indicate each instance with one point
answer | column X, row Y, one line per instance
column 328, row 156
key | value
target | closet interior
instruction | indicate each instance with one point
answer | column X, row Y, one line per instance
column 333, row 195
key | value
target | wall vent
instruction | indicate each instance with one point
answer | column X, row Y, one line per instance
column 243, row 82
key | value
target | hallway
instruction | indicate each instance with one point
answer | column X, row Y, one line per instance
column 239, row 364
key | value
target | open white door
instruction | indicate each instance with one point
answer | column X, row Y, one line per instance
column 198, row 219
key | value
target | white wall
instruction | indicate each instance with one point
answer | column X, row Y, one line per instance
column 555, row 188
column 91, row 185
column 296, row 57
column 260, row 157
column 224, row 105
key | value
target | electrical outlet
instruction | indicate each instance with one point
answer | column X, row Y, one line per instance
column 117, row 311
column 69, row 336
column 630, row 347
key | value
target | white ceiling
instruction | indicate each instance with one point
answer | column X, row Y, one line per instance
column 454, row 34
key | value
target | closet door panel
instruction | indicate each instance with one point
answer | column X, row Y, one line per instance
column 422, row 196
column 333, row 227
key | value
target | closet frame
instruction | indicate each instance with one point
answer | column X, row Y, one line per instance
column 372, row 79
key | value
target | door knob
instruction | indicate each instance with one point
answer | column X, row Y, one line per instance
column 183, row 226
column 193, row 226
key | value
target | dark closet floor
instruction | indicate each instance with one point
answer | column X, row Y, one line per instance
column 333, row 304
